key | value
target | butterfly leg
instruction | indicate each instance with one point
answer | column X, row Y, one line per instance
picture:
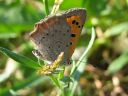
column 37, row 54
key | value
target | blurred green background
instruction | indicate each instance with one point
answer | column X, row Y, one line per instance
column 106, row 73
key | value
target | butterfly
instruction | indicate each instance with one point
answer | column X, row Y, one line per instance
column 58, row 33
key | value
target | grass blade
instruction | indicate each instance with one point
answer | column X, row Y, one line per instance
column 80, row 66
column 82, row 58
column 46, row 7
column 118, row 64
column 20, row 58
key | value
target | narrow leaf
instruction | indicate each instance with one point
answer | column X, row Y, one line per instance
column 116, row 30
column 118, row 64
column 20, row 58
column 80, row 66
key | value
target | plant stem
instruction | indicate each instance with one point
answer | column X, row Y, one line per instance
column 46, row 7
column 56, row 6
column 53, row 78
column 86, row 51
column 79, row 68
column 58, row 84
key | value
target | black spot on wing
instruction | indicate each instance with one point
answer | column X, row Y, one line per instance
column 77, row 23
column 74, row 21
column 49, row 47
column 67, row 30
column 73, row 35
column 70, row 43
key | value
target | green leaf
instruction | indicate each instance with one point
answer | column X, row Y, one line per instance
column 32, row 81
column 18, row 19
column 46, row 7
column 80, row 66
column 66, row 79
column 9, row 31
column 118, row 63
column 20, row 58
column 84, row 55
column 70, row 4
column 117, row 29
column 55, row 80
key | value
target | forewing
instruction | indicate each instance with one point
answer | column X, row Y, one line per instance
column 52, row 36
column 75, row 18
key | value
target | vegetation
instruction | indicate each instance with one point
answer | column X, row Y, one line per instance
column 100, row 63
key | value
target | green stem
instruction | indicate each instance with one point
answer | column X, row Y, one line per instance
column 86, row 51
column 80, row 66
column 46, row 7
column 58, row 84
column 56, row 6
column 55, row 81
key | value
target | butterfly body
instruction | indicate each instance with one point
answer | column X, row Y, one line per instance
column 58, row 33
